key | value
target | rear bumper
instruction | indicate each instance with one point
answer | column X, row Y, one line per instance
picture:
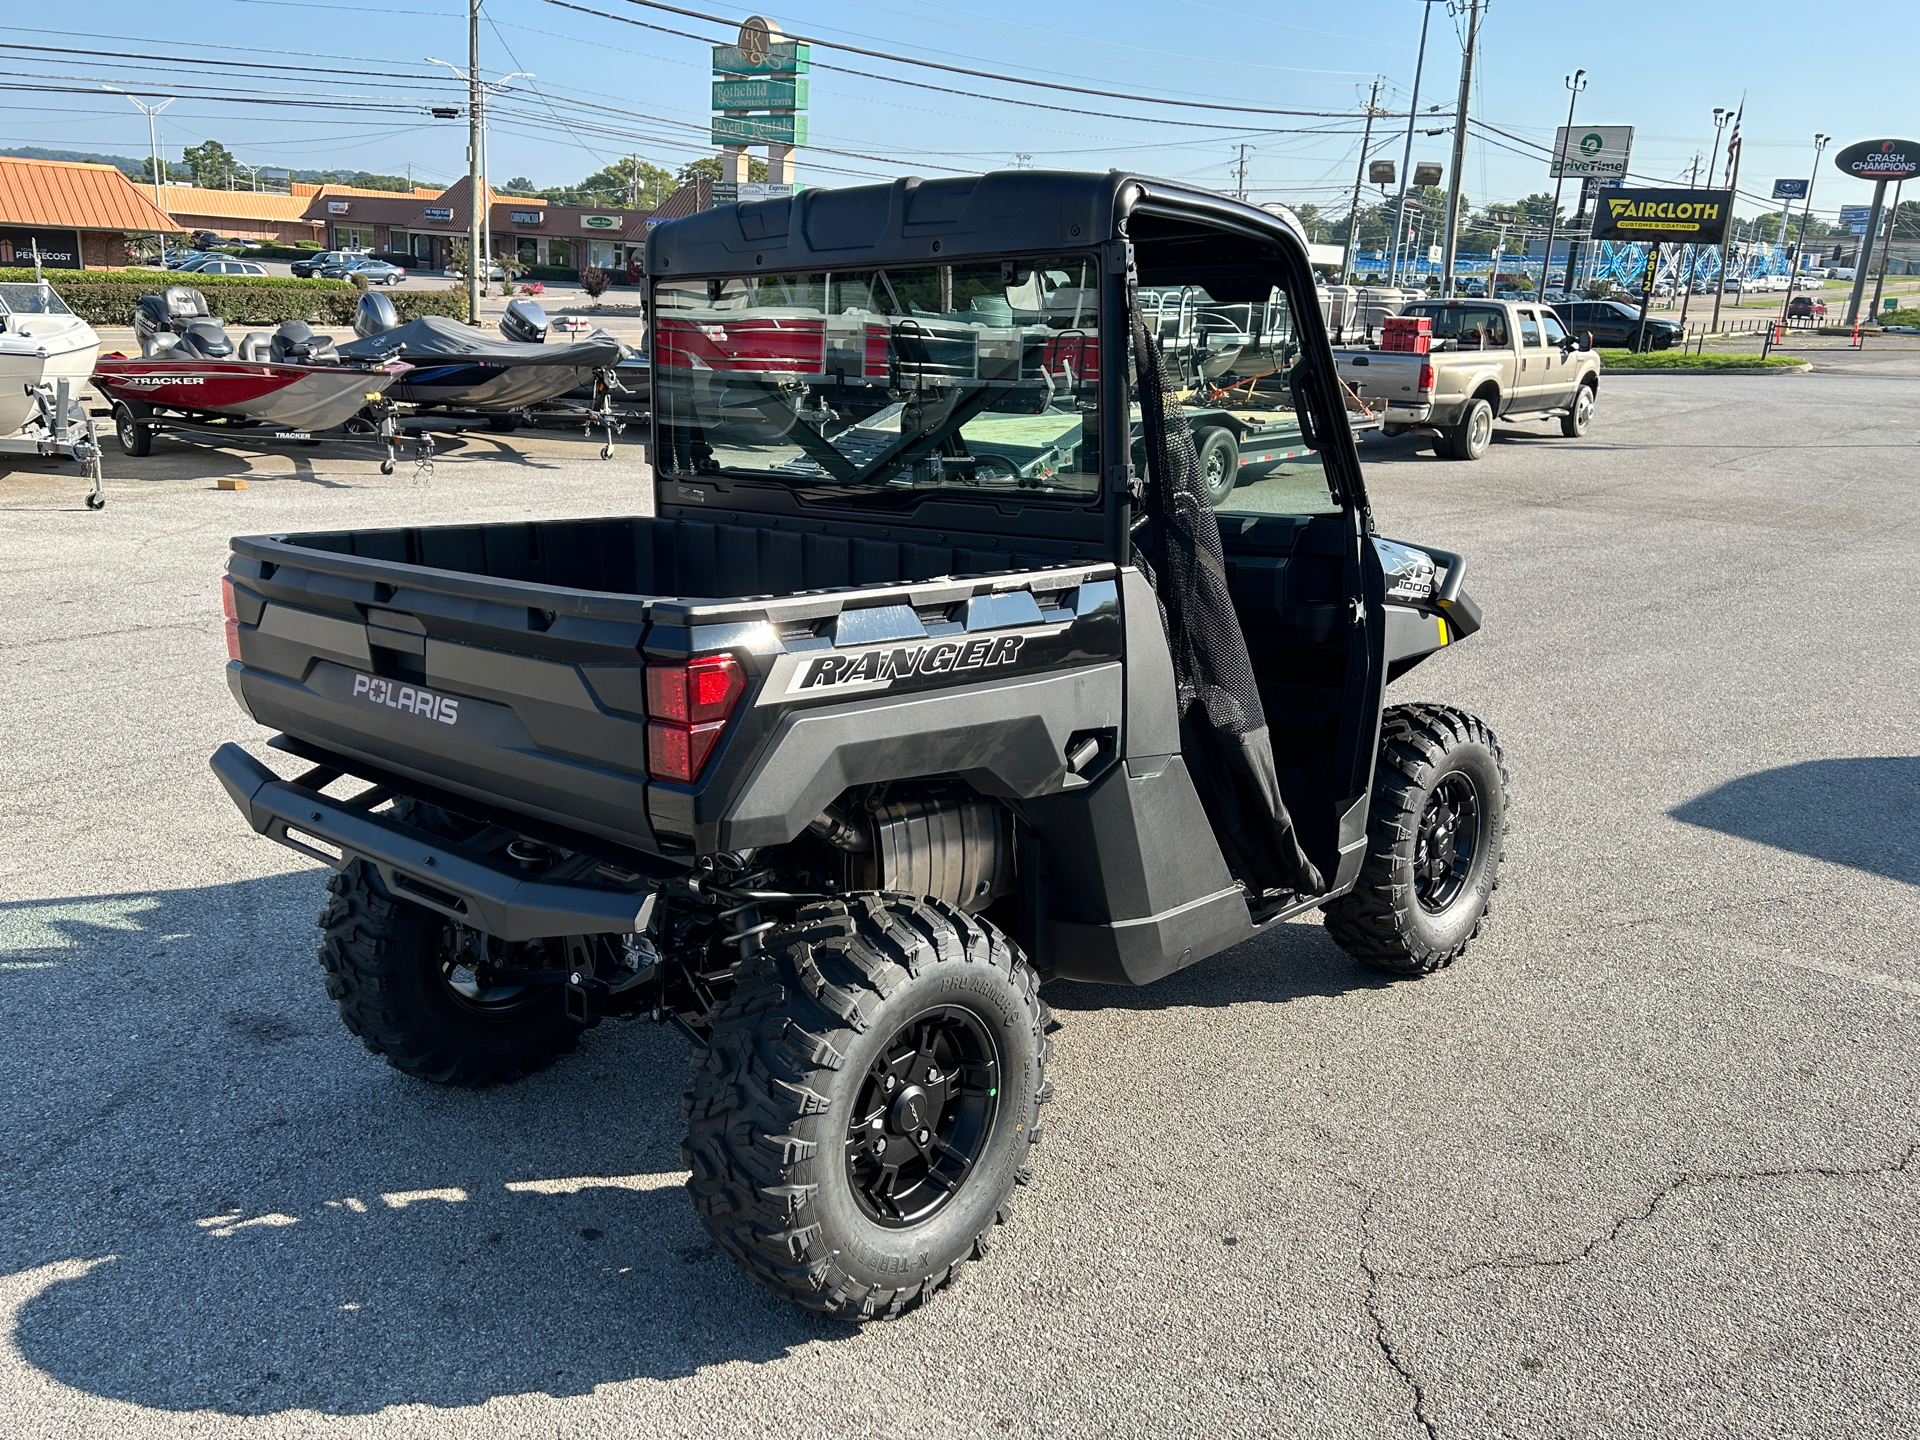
column 500, row 900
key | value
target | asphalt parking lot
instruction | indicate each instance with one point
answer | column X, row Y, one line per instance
column 1641, row 1164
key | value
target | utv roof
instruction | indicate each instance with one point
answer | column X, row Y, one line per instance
column 913, row 220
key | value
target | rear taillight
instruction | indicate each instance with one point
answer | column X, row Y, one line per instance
column 1426, row 379
column 687, row 709
column 232, row 613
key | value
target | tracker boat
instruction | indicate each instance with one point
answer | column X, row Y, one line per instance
column 457, row 368
column 292, row 379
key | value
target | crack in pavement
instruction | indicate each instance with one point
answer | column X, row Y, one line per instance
column 1692, row 1180
column 1377, row 1278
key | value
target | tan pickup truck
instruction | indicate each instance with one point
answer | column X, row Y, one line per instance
column 1491, row 360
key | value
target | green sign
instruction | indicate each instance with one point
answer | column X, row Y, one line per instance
column 760, row 94
column 791, row 57
column 759, row 130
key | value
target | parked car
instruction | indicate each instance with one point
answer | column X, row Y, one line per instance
column 402, row 259
column 378, row 272
column 1475, row 288
column 222, row 265
column 181, row 259
column 1805, row 307
column 307, row 269
column 1616, row 325
column 492, row 272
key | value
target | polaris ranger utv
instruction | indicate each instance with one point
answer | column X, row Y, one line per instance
column 933, row 676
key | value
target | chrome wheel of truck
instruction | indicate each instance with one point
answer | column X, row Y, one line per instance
column 1574, row 423
column 1471, row 433
column 865, row 1102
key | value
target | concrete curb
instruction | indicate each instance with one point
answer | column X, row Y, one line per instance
column 1800, row 369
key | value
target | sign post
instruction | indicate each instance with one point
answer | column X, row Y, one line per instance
column 1878, row 161
column 759, row 98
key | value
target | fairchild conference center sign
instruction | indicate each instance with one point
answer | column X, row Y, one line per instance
column 1689, row 217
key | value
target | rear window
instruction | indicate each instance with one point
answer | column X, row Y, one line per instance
column 1470, row 325
column 973, row 379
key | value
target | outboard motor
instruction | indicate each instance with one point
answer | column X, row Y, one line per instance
column 181, row 311
column 374, row 315
column 524, row 321
column 294, row 343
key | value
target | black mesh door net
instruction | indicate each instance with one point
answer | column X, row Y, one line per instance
column 1223, row 728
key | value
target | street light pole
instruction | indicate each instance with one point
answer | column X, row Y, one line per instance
column 153, row 141
column 1576, row 82
column 1806, row 212
column 1733, row 194
column 1406, row 160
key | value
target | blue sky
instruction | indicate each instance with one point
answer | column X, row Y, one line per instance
column 1659, row 67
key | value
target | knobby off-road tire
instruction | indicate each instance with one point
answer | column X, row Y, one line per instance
column 1436, row 834
column 792, row 1119
column 387, row 969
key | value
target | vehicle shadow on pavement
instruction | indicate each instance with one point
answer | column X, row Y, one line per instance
column 1288, row 962
column 279, row 1221
column 1862, row 812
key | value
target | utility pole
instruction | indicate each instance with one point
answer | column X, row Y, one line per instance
column 1576, row 82
column 1460, row 153
column 1359, row 175
column 1241, row 192
column 1406, row 160
column 153, row 142
column 1733, row 194
column 1693, row 252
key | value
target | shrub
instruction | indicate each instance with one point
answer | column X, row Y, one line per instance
column 553, row 272
column 103, row 297
column 595, row 282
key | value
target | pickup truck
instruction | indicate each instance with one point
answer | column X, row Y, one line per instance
column 1490, row 360
column 872, row 725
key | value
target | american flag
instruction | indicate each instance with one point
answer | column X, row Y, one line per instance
column 1733, row 141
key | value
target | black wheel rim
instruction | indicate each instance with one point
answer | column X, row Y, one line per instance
column 923, row 1115
column 1447, row 841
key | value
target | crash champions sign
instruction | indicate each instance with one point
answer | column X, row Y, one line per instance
column 1692, row 217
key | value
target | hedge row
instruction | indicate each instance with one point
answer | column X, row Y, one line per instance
column 552, row 272
column 245, row 300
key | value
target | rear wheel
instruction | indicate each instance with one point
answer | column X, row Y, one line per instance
column 1471, row 433
column 866, row 1101
column 406, row 984
column 135, row 435
column 1436, row 833
column 1219, row 463
column 502, row 424
column 1579, row 415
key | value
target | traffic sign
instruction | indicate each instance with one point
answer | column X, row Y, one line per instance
column 1853, row 218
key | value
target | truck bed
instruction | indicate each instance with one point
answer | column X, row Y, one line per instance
column 505, row 662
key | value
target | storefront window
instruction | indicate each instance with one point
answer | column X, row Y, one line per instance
column 528, row 249
column 350, row 237
column 603, row 254
column 559, row 252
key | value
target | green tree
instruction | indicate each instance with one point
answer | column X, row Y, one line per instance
column 518, row 185
column 629, row 183
column 709, row 166
column 211, row 165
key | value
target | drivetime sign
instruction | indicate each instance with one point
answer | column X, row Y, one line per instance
column 1591, row 150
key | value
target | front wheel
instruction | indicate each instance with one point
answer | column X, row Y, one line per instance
column 1579, row 415
column 1436, row 833
column 1219, row 464
column 1471, row 433
column 866, row 1102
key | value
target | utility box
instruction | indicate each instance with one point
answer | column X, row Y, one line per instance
column 1407, row 334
